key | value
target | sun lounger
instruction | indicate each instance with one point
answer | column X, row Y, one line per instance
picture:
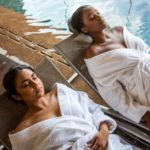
column 11, row 111
column 72, row 51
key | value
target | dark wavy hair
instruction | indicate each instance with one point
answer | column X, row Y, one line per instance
column 76, row 19
column 10, row 76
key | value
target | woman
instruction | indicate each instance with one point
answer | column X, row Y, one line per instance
column 118, row 63
column 58, row 120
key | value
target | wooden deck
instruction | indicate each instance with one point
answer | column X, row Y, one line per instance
column 30, row 48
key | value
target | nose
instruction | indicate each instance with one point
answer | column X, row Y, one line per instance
column 34, row 83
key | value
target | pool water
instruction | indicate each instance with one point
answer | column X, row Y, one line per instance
column 131, row 13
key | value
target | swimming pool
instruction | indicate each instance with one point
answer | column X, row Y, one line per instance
column 132, row 13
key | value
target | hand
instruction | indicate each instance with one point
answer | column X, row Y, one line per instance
column 146, row 119
column 99, row 142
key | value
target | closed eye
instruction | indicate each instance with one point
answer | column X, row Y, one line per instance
column 25, row 83
column 91, row 17
column 98, row 13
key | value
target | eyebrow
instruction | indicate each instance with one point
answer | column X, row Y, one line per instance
column 95, row 10
column 89, row 14
column 27, row 79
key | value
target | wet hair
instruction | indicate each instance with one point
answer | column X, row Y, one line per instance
column 10, row 76
column 76, row 19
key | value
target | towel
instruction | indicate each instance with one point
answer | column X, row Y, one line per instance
column 122, row 77
column 79, row 122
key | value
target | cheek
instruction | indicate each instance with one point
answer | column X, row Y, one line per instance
column 25, row 93
column 91, row 24
column 40, row 82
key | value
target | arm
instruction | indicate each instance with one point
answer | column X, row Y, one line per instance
column 93, row 114
column 99, row 117
column 122, row 102
column 91, row 110
column 94, row 109
column 104, row 124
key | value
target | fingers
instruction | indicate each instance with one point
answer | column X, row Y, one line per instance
column 97, row 146
column 98, row 143
column 92, row 142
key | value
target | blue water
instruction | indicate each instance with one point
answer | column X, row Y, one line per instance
column 54, row 13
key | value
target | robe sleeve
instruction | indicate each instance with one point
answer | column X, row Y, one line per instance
column 122, row 102
column 89, row 107
column 135, row 42
column 98, row 116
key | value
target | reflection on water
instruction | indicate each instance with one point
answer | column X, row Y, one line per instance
column 50, row 13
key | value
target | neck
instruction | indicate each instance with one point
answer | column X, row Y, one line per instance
column 99, row 37
column 39, row 104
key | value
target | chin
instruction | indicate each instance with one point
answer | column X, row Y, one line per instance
column 40, row 94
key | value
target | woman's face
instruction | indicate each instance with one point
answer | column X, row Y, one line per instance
column 28, row 86
column 92, row 20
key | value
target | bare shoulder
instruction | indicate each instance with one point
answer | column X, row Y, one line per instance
column 26, row 121
column 22, row 125
column 118, row 29
column 91, row 51
column 117, row 33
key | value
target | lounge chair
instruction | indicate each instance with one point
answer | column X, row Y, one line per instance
column 12, row 111
column 72, row 51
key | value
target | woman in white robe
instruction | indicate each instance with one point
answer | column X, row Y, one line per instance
column 118, row 63
column 62, row 119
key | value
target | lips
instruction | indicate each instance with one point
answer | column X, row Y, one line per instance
column 38, row 90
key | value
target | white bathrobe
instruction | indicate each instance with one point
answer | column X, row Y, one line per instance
column 78, row 124
column 122, row 77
